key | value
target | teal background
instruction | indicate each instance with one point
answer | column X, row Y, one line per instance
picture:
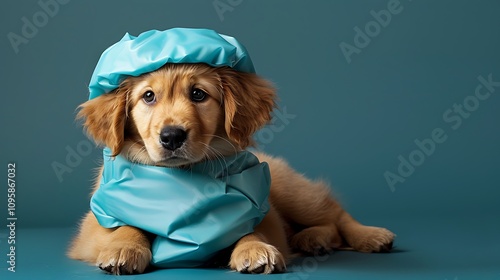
column 352, row 121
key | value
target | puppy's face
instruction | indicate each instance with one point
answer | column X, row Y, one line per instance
column 180, row 114
column 174, row 115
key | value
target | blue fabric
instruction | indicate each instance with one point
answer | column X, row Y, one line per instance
column 133, row 56
column 194, row 212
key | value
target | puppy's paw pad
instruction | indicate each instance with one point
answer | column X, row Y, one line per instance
column 257, row 258
column 122, row 259
column 316, row 240
column 374, row 239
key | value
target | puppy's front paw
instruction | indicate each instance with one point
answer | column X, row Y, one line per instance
column 257, row 257
column 124, row 258
column 372, row 239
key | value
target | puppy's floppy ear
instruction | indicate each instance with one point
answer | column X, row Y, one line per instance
column 248, row 103
column 104, row 118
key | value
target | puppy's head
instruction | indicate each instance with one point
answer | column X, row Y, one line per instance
column 180, row 114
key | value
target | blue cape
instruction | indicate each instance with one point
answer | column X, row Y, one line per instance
column 193, row 212
column 133, row 56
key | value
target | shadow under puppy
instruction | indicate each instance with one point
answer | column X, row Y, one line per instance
column 186, row 113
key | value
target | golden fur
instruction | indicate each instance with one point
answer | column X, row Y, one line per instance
column 303, row 217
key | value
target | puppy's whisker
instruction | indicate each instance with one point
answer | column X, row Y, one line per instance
column 235, row 150
column 218, row 154
column 215, row 155
column 206, row 155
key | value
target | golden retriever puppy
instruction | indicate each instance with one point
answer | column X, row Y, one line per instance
column 212, row 112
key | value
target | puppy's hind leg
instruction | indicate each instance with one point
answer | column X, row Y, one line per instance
column 363, row 238
column 313, row 212
column 324, row 225
column 328, row 226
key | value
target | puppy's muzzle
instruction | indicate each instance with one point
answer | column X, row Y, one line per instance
column 172, row 137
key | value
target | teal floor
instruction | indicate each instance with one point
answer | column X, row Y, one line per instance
column 442, row 249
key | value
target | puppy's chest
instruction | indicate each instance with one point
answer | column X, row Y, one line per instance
column 194, row 213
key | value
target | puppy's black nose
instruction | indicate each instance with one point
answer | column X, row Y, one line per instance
column 172, row 137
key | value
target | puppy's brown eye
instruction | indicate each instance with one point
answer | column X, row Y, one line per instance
column 198, row 95
column 149, row 97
